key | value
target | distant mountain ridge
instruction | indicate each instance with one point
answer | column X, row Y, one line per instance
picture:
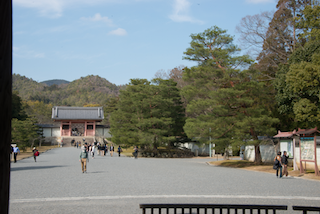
column 86, row 90
column 55, row 82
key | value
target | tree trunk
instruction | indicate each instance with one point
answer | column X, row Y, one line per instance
column 32, row 143
column 257, row 156
column 226, row 154
column 5, row 100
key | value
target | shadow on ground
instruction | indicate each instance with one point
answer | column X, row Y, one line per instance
column 33, row 168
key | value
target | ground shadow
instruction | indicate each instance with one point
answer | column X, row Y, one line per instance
column 96, row 172
column 32, row 168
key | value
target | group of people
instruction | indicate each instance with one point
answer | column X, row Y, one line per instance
column 281, row 164
column 97, row 148
column 91, row 149
column 15, row 151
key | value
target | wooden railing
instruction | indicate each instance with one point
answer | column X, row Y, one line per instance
column 306, row 209
column 209, row 208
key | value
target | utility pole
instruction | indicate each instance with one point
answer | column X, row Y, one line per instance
column 5, row 100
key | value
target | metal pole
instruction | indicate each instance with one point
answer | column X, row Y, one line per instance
column 210, row 153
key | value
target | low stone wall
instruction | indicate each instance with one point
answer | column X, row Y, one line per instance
column 53, row 140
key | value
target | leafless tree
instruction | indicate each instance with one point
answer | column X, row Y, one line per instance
column 271, row 37
column 175, row 74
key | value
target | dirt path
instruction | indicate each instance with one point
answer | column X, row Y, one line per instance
column 28, row 153
column 262, row 168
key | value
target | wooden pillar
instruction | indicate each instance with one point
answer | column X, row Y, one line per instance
column 85, row 128
column 5, row 100
column 94, row 128
column 61, row 128
column 301, row 167
column 70, row 128
column 316, row 169
column 295, row 167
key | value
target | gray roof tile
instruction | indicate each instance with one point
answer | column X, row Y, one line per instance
column 77, row 113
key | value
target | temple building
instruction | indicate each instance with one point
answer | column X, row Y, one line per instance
column 75, row 123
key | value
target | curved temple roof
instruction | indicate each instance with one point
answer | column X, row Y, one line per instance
column 77, row 113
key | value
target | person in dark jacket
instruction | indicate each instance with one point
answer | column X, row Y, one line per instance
column 135, row 153
column 277, row 160
column 105, row 149
column 284, row 160
column 119, row 150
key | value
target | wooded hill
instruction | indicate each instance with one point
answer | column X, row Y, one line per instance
column 84, row 91
column 55, row 82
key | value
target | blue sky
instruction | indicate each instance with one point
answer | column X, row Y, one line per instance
column 115, row 39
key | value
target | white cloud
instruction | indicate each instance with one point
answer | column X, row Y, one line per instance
column 259, row 1
column 98, row 18
column 23, row 52
column 118, row 32
column 55, row 8
column 181, row 12
column 50, row 8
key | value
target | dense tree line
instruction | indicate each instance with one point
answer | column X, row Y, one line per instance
column 149, row 114
column 237, row 97
column 86, row 90
column 23, row 126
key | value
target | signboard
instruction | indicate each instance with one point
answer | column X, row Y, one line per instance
column 307, row 148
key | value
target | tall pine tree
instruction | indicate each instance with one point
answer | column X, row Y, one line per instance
column 220, row 96
column 148, row 114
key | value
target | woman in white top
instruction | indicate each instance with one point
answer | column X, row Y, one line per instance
column 92, row 150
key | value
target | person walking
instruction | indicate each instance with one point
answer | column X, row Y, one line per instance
column 135, row 153
column 11, row 153
column 119, row 150
column 16, row 150
column 111, row 150
column 277, row 163
column 105, row 149
column 35, row 154
column 284, row 161
column 84, row 158
column 93, row 150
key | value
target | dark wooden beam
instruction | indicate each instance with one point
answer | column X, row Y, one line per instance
column 5, row 101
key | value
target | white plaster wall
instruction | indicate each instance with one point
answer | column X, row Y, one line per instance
column 107, row 133
column 267, row 153
column 99, row 131
column 197, row 149
column 55, row 132
column 103, row 132
column 46, row 132
column 249, row 153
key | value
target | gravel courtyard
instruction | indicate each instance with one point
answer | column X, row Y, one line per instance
column 55, row 184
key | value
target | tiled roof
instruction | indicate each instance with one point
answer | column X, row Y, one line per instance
column 299, row 132
column 284, row 134
column 307, row 131
column 49, row 125
column 77, row 113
